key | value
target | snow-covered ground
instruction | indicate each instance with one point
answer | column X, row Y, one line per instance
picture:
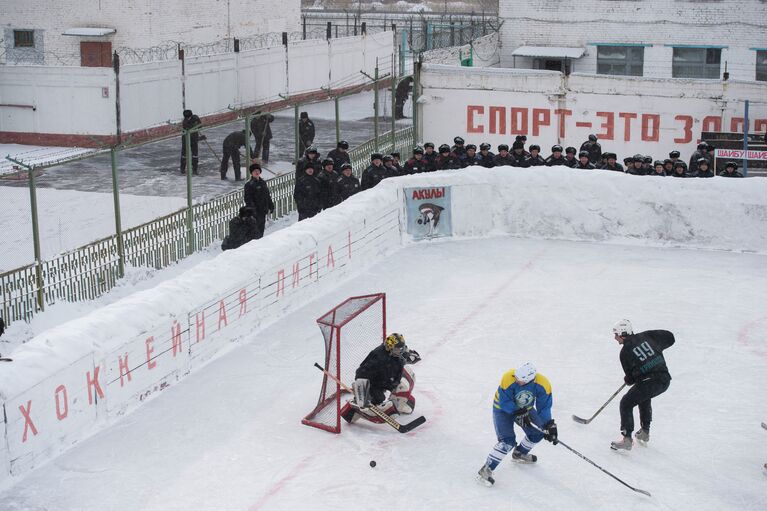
column 544, row 263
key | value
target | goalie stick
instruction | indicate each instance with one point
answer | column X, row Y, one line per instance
column 402, row 428
column 586, row 421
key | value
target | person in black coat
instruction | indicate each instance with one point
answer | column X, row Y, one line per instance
column 307, row 195
column 556, row 157
column 232, row 144
column 470, row 157
column 375, row 173
column 637, row 166
column 704, row 168
column 190, row 121
column 583, row 161
column 417, row 164
column 458, row 149
column 391, row 169
column 680, row 169
column 430, row 155
column 503, row 158
column 570, row 159
column 612, row 163
column 258, row 199
column 658, row 169
column 485, row 156
column 535, row 159
column 645, row 372
column 447, row 160
column 305, row 132
column 242, row 229
column 347, row 184
column 310, row 159
column 327, row 178
column 517, row 154
column 340, row 155
column 701, row 151
column 730, row 170
column 261, row 127
column 593, row 148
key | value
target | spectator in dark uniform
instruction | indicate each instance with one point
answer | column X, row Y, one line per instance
column 375, row 173
column 485, row 156
column 232, row 144
column 673, row 156
column 710, row 155
column 340, row 154
column 658, row 169
column 190, row 121
column 470, row 157
column 430, row 155
column 307, row 195
column 556, row 157
column 397, row 163
column 668, row 166
column 730, row 170
column 327, row 178
column 535, row 159
column 310, row 159
column 593, row 148
column 704, row 169
column 570, row 159
column 261, row 126
column 518, row 156
column 242, row 229
column 583, row 161
column 391, row 170
column 522, row 139
column 305, row 132
column 459, row 148
column 612, row 163
column 680, row 169
column 637, row 166
column 258, row 199
column 446, row 159
column 417, row 164
column 647, row 164
column 692, row 168
column 347, row 185
column 503, row 158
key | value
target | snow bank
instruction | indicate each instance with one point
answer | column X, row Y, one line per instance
column 85, row 374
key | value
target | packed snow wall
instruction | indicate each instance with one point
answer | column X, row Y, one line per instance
column 84, row 375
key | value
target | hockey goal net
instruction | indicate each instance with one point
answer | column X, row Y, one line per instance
column 351, row 330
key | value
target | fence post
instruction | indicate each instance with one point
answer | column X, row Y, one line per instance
column 189, row 211
column 248, row 156
column 118, row 221
column 336, row 100
column 414, row 94
column 304, row 28
column 393, row 102
column 364, row 28
column 297, row 136
column 183, row 76
column 329, row 31
column 36, row 238
column 118, row 116
column 745, row 141
column 375, row 107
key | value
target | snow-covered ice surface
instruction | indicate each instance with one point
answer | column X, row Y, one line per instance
column 229, row 436
column 68, row 219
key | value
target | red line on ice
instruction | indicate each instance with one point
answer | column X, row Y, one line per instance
column 279, row 485
column 744, row 334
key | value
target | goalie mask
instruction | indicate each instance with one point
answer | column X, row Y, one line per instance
column 395, row 344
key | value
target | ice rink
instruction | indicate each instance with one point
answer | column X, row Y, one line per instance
column 230, row 437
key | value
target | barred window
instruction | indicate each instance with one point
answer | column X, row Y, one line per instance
column 761, row 65
column 23, row 38
column 620, row 60
column 696, row 62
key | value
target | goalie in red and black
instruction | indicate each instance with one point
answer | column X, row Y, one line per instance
column 383, row 370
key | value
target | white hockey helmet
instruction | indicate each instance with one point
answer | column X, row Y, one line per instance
column 623, row 328
column 525, row 373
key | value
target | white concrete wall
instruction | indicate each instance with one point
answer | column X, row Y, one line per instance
column 738, row 24
column 69, row 100
column 629, row 115
column 145, row 23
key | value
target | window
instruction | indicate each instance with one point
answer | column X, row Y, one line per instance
column 620, row 60
column 761, row 65
column 696, row 63
column 95, row 54
column 23, row 38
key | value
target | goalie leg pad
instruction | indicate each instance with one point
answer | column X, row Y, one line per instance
column 361, row 391
column 402, row 397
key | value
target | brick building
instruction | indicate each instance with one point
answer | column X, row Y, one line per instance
column 650, row 38
column 87, row 31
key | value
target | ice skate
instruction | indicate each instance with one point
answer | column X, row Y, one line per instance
column 523, row 457
column 485, row 476
column 624, row 443
column 643, row 436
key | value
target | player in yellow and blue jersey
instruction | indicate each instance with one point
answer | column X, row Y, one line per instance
column 523, row 398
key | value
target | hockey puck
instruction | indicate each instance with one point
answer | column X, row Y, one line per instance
column 372, row 463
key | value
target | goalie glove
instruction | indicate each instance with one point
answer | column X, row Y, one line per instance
column 411, row 357
column 361, row 390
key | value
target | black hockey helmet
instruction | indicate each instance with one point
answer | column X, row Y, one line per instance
column 444, row 148
column 484, row 146
column 429, row 144
column 328, row 161
column 571, row 150
column 535, row 147
column 556, row 148
column 583, row 153
column 458, row 141
column 343, row 144
column 503, row 147
column 395, row 344
column 418, row 150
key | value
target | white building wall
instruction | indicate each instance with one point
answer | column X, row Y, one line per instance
column 737, row 24
column 145, row 23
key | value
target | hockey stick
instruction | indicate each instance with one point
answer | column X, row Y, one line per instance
column 624, row 483
column 586, row 421
column 211, row 149
column 764, row 425
column 402, row 428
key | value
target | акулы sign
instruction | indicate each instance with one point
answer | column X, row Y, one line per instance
column 428, row 211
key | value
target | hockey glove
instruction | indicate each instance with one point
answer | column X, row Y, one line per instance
column 628, row 380
column 550, row 432
column 411, row 357
column 522, row 418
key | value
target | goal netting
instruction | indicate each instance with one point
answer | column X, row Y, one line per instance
column 351, row 330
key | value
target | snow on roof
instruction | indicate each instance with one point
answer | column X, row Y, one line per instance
column 89, row 31
column 549, row 51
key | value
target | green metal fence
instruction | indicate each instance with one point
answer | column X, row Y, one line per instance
column 89, row 271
